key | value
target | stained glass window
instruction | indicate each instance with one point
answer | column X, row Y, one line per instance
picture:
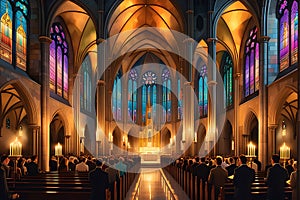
column 166, row 82
column 179, row 97
column 287, row 12
column 6, row 31
column 86, row 85
column 227, row 71
column 203, row 92
column 251, row 68
column 117, row 98
column 148, row 90
column 132, row 94
column 58, row 61
column 19, row 18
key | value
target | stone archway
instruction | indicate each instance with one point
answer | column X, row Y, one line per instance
column 225, row 140
column 57, row 134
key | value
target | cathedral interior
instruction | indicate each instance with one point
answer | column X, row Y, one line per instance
column 190, row 77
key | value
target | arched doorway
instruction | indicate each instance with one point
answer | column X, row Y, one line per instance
column 225, row 140
column 117, row 141
column 57, row 134
column 14, row 118
column 200, row 145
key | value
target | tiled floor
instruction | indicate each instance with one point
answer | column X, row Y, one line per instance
column 150, row 185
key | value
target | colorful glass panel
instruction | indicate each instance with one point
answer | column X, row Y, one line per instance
column 6, row 31
column 284, row 40
column 294, row 33
column 227, row 78
column 59, row 61
column 203, row 92
column 251, row 67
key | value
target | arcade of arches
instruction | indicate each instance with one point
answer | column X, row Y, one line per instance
column 51, row 90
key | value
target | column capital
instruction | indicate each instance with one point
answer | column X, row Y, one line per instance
column 209, row 40
column 33, row 126
column 212, row 83
column 264, row 38
column 210, row 12
column 237, row 75
column 101, row 83
column 272, row 126
column 189, row 12
column 45, row 39
column 191, row 40
column 100, row 40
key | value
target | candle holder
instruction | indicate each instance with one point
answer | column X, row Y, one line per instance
column 251, row 152
column 285, row 153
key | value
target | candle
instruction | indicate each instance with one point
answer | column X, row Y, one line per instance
column 16, row 148
column 58, row 149
column 251, row 149
column 195, row 137
column 285, row 151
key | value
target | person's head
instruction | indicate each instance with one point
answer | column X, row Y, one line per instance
column 99, row 163
column 295, row 165
column 231, row 160
column 197, row 159
column 34, row 158
column 5, row 159
column 203, row 159
column 243, row 159
column 275, row 158
column 219, row 160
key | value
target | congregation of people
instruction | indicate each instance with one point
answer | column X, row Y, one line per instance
column 102, row 173
column 240, row 171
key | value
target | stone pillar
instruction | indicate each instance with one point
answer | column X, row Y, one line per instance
column 212, row 94
column 271, row 140
column 45, row 95
column 263, row 101
column 236, row 134
column 101, row 111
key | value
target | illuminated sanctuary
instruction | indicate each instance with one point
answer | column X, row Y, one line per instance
column 116, row 78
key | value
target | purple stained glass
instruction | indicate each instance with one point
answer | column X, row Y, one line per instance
column 59, row 71
column 283, row 5
column 58, row 61
column 52, row 65
column 149, row 78
column 247, row 66
column 294, row 33
column 133, row 74
column 66, row 81
column 165, row 75
column 284, row 40
column 252, row 72
column 257, row 67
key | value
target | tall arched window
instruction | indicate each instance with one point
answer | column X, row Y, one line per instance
column 117, row 98
column 227, row 71
column 86, row 85
column 148, row 90
column 132, row 94
column 58, row 61
column 203, row 92
column 14, row 12
column 179, row 97
column 251, row 68
column 166, row 82
column 287, row 12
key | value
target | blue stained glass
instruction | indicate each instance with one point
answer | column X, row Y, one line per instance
column 144, row 102
column 202, row 91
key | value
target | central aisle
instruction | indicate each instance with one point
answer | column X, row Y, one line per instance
column 150, row 186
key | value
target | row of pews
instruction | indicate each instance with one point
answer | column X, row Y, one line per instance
column 198, row 190
column 64, row 186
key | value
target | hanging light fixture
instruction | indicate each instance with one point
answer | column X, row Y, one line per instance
column 283, row 127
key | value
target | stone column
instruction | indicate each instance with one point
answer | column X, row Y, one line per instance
column 101, row 111
column 236, row 97
column 263, row 101
column 45, row 95
column 271, row 140
column 212, row 94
